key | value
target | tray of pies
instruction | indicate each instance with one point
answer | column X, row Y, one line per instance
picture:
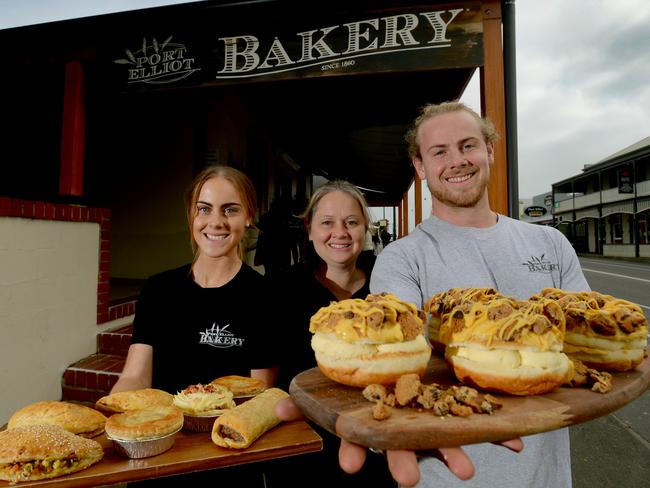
column 99, row 462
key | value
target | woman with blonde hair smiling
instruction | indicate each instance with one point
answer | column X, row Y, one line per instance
column 336, row 221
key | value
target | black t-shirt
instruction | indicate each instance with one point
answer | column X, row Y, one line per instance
column 303, row 295
column 199, row 334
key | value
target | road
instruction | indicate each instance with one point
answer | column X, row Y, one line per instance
column 622, row 279
column 613, row 451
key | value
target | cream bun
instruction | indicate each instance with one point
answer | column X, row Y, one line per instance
column 508, row 346
column 604, row 332
column 360, row 342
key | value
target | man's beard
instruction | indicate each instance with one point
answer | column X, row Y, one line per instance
column 466, row 199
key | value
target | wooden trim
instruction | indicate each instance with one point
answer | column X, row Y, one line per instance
column 493, row 102
column 73, row 131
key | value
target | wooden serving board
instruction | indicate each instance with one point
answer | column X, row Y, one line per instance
column 190, row 452
column 343, row 411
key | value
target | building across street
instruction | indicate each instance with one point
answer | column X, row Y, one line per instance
column 605, row 209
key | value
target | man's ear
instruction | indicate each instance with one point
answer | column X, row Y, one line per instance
column 419, row 167
column 490, row 151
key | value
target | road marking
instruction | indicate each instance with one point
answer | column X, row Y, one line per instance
column 617, row 275
column 620, row 276
column 615, row 265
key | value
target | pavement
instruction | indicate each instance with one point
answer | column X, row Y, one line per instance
column 613, row 451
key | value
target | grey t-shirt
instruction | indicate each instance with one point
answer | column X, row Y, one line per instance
column 518, row 259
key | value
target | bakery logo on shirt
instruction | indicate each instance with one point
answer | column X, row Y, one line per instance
column 220, row 337
column 540, row 265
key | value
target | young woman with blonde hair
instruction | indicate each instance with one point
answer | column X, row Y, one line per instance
column 196, row 322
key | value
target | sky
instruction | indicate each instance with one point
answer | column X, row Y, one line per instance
column 583, row 77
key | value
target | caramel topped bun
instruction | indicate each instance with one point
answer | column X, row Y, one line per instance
column 148, row 423
column 440, row 305
column 73, row 417
column 241, row 385
column 508, row 345
column 36, row 452
column 604, row 332
column 204, row 400
column 376, row 340
column 124, row 401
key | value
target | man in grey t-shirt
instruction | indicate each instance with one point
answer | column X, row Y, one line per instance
column 466, row 244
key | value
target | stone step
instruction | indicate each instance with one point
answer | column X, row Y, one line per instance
column 116, row 341
column 92, row 377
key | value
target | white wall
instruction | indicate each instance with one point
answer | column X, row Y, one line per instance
column 619, row 250
column 644, row 250
column 48, row 306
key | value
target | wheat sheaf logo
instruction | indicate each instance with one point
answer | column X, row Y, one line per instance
column 220, row 337
column 540, row 264
column 157, row 62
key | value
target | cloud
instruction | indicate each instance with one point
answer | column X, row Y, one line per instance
column 582, row 89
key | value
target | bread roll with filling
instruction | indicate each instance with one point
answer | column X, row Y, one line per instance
column 604, row 332
column 508, row 346
column 440, row 305
column 37, row 452
column 360, row 342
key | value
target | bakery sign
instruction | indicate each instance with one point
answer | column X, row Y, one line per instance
column 535, row 211
column 336, row 47
column 158, row 62
column 251, row 48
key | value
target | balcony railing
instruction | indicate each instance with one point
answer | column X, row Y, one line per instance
column 564, row 205
column 643, row 188
column 587, row 200
column 612, row 195
column 606, row 196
